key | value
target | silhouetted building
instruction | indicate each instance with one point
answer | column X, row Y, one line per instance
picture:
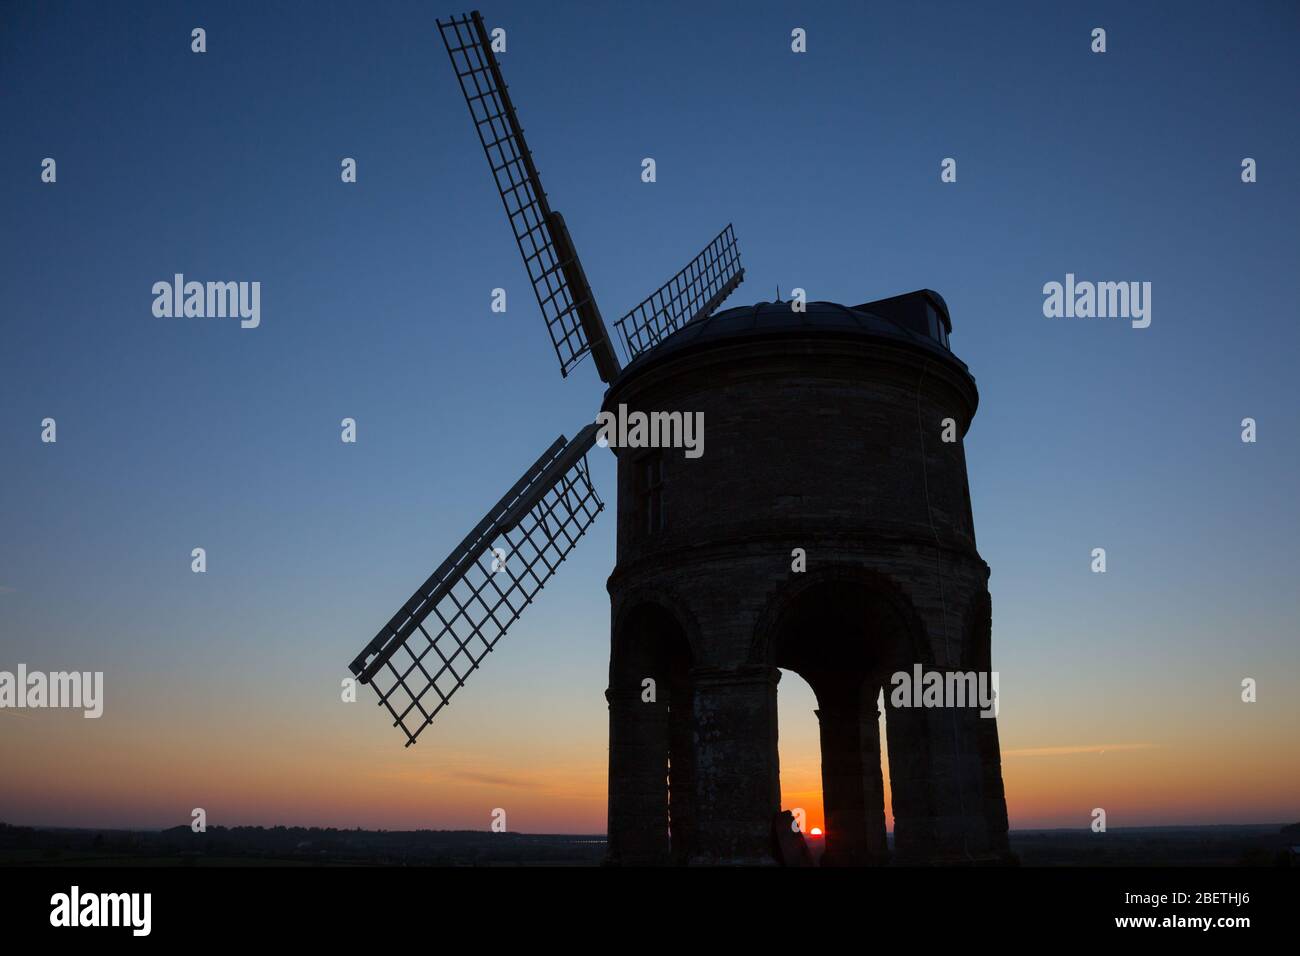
column 823, row 432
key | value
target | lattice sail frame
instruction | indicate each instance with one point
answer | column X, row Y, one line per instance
column 697, row 290
column 559, row 282
column 474, row 597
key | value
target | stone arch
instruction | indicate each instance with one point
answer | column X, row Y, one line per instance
column 876, row 582
column 635, row 599
column 846, row 629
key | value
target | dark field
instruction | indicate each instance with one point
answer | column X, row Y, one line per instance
column 299, row 846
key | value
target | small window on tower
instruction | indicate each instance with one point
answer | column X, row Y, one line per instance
column 938, row 331
column 650, row 490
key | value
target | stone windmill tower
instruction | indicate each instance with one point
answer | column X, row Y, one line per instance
column 826, row 439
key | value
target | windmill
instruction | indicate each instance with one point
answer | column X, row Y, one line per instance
column 441, row 635
column 838, row 437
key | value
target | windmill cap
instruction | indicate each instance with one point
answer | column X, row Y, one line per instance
column 917, row 319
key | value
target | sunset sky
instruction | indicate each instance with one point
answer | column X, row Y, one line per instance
column 1119, row 690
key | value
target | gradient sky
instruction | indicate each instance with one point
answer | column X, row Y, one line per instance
column 1119, row 690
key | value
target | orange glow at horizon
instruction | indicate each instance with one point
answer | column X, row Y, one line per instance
column 548, row 770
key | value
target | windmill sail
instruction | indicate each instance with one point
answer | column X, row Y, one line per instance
column 558, row 280
column 423, row 655
column 696, row 291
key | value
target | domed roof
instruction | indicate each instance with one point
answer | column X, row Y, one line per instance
column 902, row 320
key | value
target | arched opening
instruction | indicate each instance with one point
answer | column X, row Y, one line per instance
column 652, row 754
column 845, row 637
column 800, row 757
column 800, row 754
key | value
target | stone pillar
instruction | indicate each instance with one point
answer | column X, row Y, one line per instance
column 638, row 779
column 979, row 633
column 681, row 773
column 940, row 799
column 995, row 801
column 958, row 791
column 910, row 782
column 738, row 787
column 853, row 791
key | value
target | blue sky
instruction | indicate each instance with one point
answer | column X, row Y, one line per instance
column 180, row 433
